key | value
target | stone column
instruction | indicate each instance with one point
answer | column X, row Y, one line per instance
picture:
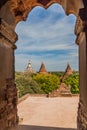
column 8, row 91
column 81, row 32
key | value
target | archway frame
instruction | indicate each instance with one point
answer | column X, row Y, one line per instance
column 18, row 10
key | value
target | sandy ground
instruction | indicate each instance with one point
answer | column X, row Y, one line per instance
column 41, row 113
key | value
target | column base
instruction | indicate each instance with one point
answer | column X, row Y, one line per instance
column 82, row 117
column 8, row 107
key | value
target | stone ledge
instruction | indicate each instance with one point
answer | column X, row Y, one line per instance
column 7, row 31
column 5, row 42
column 23, row 98
column 30, row 95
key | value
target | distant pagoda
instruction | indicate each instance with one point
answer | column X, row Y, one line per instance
column 68, row 71
column 29, row 68
column 43, row 69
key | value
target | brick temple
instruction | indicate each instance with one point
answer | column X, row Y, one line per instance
column 68, row 71
column 43, row 69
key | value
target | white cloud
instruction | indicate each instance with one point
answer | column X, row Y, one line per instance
column 41, row 37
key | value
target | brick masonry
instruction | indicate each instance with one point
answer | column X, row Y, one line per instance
column 8, row 107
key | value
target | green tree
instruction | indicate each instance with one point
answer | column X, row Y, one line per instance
column 25, row 84
column 73, row 81
column 48, row 82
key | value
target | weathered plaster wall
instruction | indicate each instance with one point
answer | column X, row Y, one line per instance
column 8, row 91
column 83, row 70
column 6, row 64
column 82, row 110
column 5, row 13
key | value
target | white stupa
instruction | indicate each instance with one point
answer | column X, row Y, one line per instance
column 29, row 68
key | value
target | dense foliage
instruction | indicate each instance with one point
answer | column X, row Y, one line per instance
column 73, row 81
column 25, row 84
column 59, row 74
column 44, row 83
column 48, row 82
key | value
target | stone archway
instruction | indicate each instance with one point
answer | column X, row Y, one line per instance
column 13, row 11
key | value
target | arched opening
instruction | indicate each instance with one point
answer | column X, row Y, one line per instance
column 11, row 12
column 50, row 37
column 43, row 28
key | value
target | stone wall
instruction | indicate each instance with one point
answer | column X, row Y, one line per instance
column 6, row 57
column 8, row 106
column 82, row 117
column 8, row 91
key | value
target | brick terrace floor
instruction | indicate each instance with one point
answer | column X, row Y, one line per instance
column 41, row 113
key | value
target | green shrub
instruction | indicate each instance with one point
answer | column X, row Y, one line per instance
column 73, row 81
column 25, row 84
column 43, row 83
column 48, row 82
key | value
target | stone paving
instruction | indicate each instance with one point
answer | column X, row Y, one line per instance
column 41, row 113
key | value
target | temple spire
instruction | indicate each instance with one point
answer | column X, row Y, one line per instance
column 29, row 68
column 43, row 69
column 68, row 71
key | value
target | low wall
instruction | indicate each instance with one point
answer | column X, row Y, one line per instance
column 41, row 95
column 30, row 95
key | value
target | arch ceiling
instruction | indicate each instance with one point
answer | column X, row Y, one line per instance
column 21, row 8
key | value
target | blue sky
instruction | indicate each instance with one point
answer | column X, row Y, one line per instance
column 47, row 35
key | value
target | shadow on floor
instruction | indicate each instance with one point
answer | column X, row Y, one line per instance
column 29, row 127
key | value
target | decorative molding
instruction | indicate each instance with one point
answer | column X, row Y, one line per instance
column 6, row 43
column 81, row 26
column 80, row 38
column 7, row 32
column 7, row 35
column 78, row 26
column 21, row 8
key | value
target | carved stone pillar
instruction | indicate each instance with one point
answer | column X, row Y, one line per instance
column 81, row 32
column 8, row 92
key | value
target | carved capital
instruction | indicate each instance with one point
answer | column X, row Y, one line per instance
column 79, row 30
column 6, row 43
column 81, row 26
column 80, row 38
column 7, row 35
column 7, row 31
